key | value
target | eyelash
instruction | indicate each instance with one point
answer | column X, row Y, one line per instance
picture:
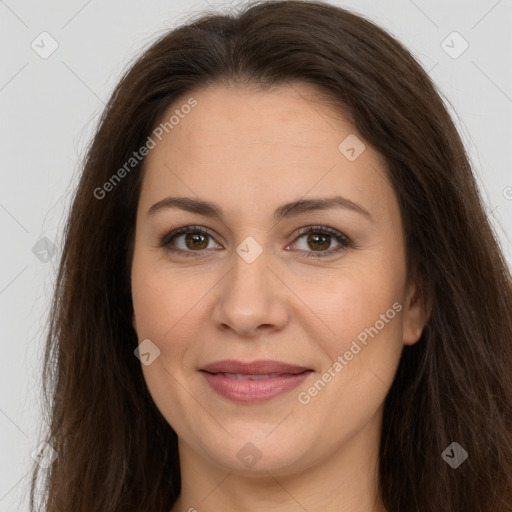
column 342, row 239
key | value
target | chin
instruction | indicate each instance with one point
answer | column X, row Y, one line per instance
column 256, row 456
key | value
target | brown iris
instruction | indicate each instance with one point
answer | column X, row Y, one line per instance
column 195, row 237
column 313, row 237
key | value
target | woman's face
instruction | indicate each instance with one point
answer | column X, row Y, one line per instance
column 255, row 287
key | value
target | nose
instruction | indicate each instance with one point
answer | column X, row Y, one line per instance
column 251, row 298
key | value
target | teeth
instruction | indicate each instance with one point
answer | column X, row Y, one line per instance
column 239, row 376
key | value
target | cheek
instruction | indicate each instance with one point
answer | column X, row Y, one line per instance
column 160, row 298
column 350, row 300
column 162, row 307
column 359, row 312
column 151, row 306
column 359, row 360
column 169, row 308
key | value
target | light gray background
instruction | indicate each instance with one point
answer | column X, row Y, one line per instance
column 49, row 108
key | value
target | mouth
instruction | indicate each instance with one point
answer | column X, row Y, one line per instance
column 258, row 381
column 243, row 376
column 253, row 368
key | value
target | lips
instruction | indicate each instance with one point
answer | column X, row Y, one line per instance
column 242, row 376
column 256, row 381
column 262, row 367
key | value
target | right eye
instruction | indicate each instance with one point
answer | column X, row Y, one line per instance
column 195, row 240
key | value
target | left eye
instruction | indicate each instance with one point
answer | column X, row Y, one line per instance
column 321, row 237
column 317, row 237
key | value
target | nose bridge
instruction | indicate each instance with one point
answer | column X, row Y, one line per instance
column 250, row 296
column 250, row 275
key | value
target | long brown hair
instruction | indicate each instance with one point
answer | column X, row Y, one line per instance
column 115, row 451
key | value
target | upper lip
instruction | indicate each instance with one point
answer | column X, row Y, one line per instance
column 261, row 367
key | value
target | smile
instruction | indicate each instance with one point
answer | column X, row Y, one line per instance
column 245, row 388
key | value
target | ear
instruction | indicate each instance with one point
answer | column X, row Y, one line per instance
column 417, row 309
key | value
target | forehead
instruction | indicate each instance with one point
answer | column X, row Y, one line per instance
column 282, row 142
column 243, row 118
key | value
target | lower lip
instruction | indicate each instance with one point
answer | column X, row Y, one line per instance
column 248, row 391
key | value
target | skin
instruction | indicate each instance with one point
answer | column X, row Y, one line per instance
column 250, row 152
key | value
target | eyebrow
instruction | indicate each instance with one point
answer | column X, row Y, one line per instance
column 209, row 209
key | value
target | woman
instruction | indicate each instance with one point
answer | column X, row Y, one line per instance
column 279, row 289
